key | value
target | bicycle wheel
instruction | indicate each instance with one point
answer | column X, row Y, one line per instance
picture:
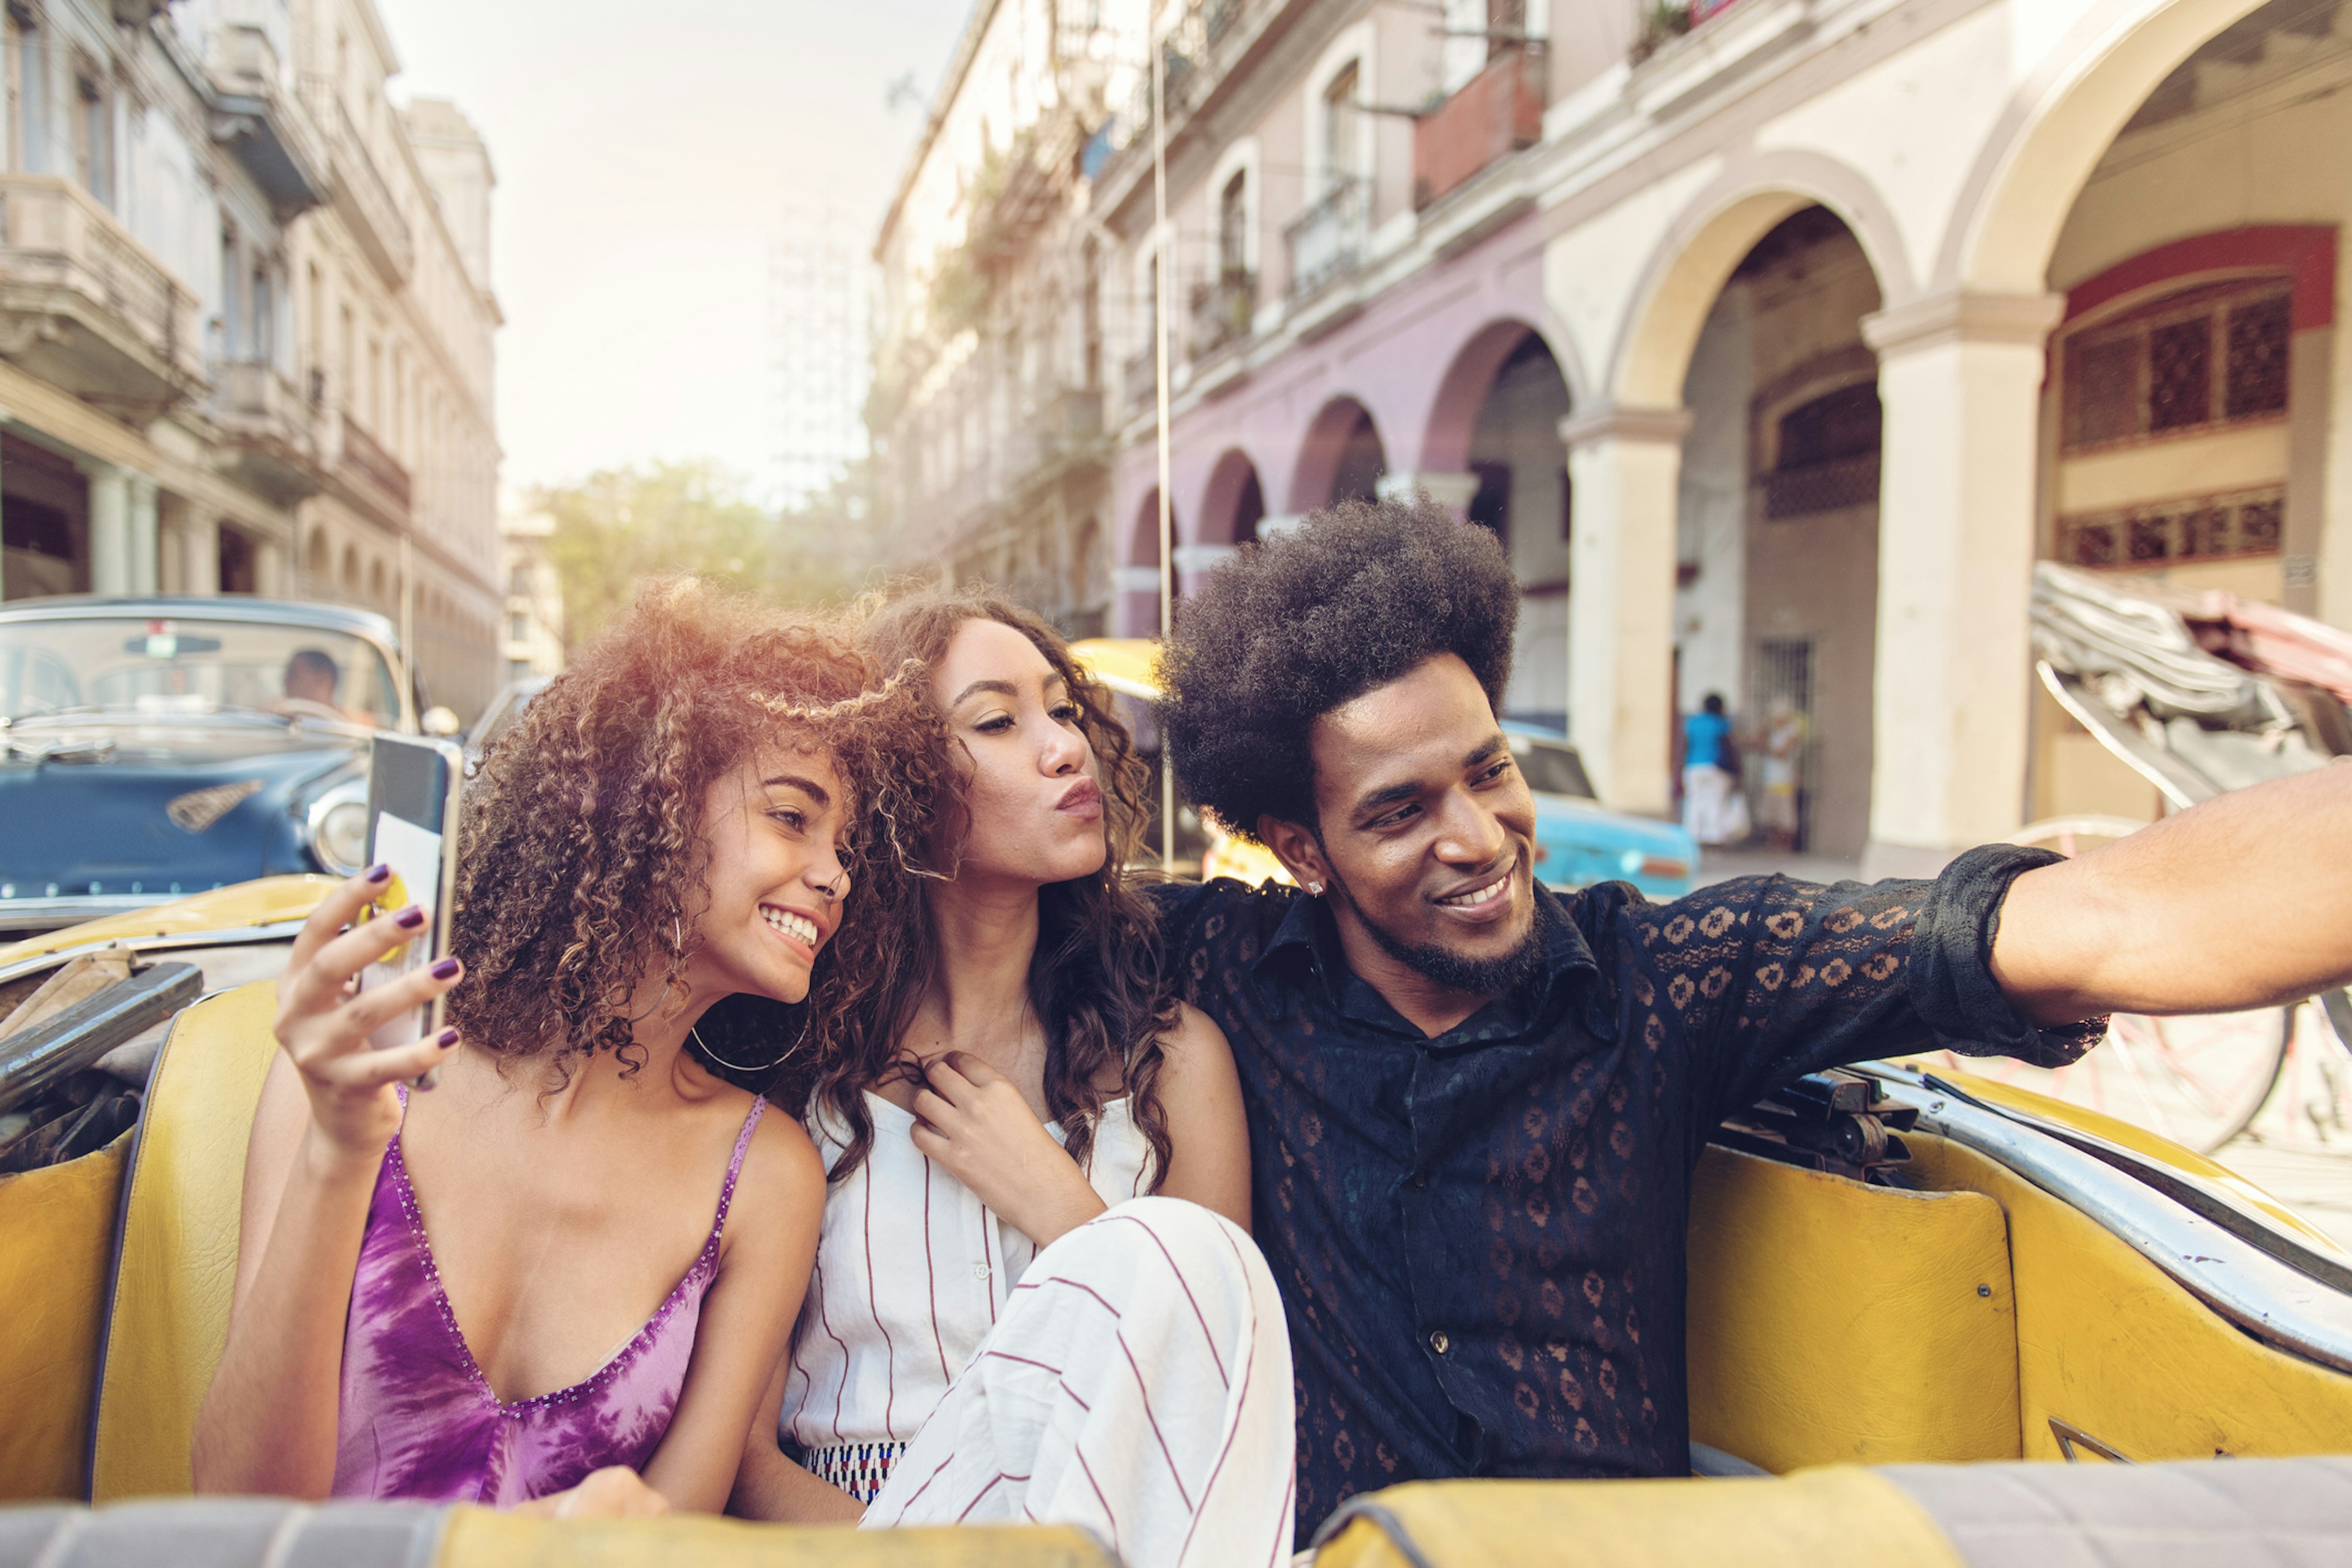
column 2198, row 1082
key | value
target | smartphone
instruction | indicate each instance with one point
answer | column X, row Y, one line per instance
column 414, row 790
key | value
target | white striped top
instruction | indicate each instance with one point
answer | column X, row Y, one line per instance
column 912, row 1271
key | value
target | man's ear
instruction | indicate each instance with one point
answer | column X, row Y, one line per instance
column 1300, row 852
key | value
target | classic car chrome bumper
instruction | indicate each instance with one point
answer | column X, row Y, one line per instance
column 40, row 914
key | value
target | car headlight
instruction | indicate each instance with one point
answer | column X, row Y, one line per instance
column 336, row 829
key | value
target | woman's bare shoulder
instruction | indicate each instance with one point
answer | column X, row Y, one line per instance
column 1195, row 1032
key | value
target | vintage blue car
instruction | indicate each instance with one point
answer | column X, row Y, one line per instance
column 1578, row 841
column 155, row 747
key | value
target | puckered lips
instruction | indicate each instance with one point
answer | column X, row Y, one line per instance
column 1082, row 800
column 802, row 931
column 1485, row 899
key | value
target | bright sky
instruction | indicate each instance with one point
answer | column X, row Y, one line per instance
column 646, row 157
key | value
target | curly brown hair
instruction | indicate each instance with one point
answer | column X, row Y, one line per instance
column 581, row 859
column 1094, row 980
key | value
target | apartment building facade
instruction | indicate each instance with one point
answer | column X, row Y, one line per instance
column 246, row 321
column 986, row 415
column 1778, row 344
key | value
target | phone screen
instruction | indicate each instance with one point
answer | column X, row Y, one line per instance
column 414, row 788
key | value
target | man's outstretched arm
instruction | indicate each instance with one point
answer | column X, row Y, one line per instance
column 2244, row 901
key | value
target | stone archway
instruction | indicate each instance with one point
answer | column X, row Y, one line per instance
column 1342, row 458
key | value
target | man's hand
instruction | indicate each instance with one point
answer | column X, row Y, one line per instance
column 970, row 1119
column 2244, row 901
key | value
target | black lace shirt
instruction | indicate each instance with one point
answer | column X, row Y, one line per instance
column 1479, row 1237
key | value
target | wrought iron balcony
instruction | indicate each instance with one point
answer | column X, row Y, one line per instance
column 270, row 429
column 379, row 469
column 1327, row 241
column 369, row 208
column 85, row 308
column 1496, row 112
column 1196, row 52
column 1223, row 311
column 264, row 128
column 1141, row 381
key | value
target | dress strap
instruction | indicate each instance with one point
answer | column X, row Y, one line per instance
column 735, row 1165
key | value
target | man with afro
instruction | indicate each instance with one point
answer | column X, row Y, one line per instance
column 1476, row 1104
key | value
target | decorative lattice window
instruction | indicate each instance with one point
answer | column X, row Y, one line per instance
column 2258, row 340
column 1827, row 455
column 2200, row 527
column 2204, row 357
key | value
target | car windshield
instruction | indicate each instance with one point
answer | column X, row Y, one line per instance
column 152, row 668
column 1550, row 767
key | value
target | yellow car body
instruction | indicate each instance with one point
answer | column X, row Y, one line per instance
column 2048, row 1285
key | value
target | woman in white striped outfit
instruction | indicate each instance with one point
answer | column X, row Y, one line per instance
column 1005, row 1322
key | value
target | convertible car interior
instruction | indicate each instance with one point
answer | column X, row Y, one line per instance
column 1929, row 1317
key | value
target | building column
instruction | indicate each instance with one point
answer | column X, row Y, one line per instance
column 1625, row 466
column 144, row 531
column 1137, row 602
column 1959, row 378
column 199, row 552
column 1452, row 491
column 109, row 529
column 270, row 574
column 1194, row 564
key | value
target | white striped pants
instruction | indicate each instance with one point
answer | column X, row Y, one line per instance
column 1138, row 1384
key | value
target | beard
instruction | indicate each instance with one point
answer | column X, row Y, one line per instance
column 1471, row 977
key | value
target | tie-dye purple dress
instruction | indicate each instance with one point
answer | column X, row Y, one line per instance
column 418, row 1419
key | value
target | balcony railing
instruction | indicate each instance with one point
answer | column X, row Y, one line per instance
column 1496, row 112
column 267, row 131
column 1141, row 381
column 1327, row 241
column 1818, row 488
column 1222, row 311
column 94, row 313
column 1196, row 53
column 270, row 427
column 367, row 203
column 379, row 468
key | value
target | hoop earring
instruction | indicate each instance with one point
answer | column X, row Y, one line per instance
column 694, row 1033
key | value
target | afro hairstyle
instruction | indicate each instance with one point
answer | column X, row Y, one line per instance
column 1358, row 595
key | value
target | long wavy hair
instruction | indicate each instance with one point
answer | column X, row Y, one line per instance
column 1094, row 980
column 583, row 865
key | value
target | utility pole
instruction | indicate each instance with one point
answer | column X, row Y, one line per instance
column 1161, row 259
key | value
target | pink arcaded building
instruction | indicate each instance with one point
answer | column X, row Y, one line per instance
column 1778, row 344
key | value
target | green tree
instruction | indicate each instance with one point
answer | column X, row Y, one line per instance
column 620, row 526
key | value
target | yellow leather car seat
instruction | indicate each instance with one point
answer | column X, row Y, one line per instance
column 1835, row 1322
column 176, row 1245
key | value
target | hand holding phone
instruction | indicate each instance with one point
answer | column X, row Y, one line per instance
column 415, row 788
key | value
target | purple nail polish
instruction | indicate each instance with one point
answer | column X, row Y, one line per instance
column 446, row 968
column 379, row 872
column 410, row 918
column 446, row 1038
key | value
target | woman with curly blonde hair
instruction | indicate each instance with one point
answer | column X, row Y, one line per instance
column 1036, row 1296
column 573, row 1263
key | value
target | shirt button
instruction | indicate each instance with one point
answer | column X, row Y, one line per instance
column 980, row 1271
column 1438, row 1341
column 1421, row 1178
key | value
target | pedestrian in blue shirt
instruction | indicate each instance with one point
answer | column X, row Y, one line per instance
column 1713, row 808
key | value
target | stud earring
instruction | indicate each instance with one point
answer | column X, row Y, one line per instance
column 1314, row 890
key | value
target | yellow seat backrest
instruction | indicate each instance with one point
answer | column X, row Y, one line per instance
column 1824, row 1518
column 1833, row 1323
column 55, row 1225
column 175, row 1252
